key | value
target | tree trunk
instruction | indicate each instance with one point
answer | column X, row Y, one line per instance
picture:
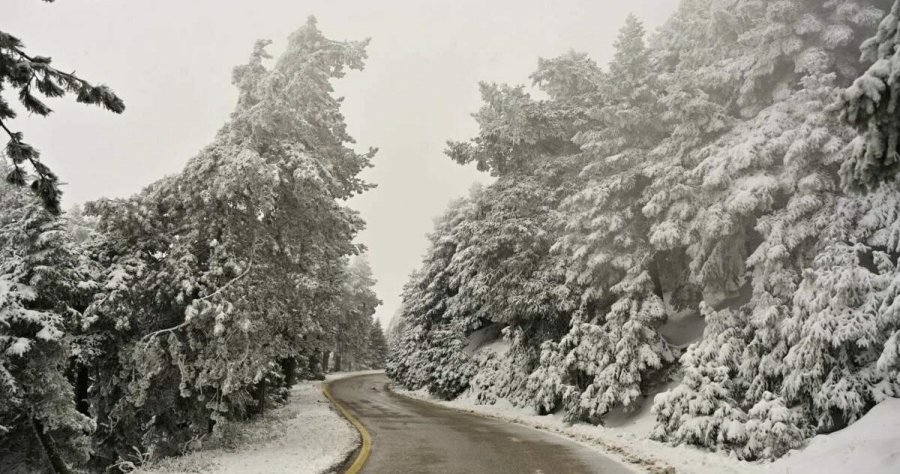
column 654, row 275
column 289, row 367
column 314, row 360
column 326, row 359
column 338, row 363
column 82, row 384
column 261, row 396
column 49, row 445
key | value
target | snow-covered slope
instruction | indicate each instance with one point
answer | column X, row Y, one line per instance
column 487, row 335
column 304, row 437
column 869, row 446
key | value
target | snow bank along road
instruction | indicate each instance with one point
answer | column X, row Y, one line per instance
column 303, row 437
column 413, row 436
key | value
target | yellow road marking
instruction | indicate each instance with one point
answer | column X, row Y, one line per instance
column 366, row 438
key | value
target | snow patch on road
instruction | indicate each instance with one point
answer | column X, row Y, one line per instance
column 306, row 436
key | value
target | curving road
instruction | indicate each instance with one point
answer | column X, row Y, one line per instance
column 413, row 436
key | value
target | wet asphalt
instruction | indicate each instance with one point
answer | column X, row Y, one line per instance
column 414, row 436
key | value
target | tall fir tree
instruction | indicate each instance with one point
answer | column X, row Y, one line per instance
column 605, row 240
column 214, row 279
column 39, row 421
column 377, row 347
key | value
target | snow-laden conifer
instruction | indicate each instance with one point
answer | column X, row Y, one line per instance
column 39, row 421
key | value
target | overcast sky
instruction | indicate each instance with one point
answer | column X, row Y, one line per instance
column 171, row 61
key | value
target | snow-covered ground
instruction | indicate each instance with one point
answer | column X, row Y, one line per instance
column 305, row 436
column 870, row 446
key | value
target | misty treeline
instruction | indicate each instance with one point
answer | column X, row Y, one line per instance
column 737, row 167
column 140, row 326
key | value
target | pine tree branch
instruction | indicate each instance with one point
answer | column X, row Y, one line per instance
column 229, row 283
column 9, row 132
column 52, row 70
column 152, row 335
column 149, row 337
column 14, row 138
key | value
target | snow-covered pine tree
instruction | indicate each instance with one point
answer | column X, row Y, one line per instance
column 377, row 348
column 765, row 191
column 351, row 316
column 605, row 239
column 40, row 428
column 705, row 408
column 505, row 270
column 771, row 47
column 727, row 62
column 416, row 359
column 499, row 270
column 215, row 277
column 719, row 165
column 879, row 227
column 772, row 429
column 824, row 377
column 833, row 337
column 870, row 105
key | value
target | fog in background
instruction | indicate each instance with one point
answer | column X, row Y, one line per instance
column 171, row 61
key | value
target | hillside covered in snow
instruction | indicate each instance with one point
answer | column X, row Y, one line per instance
column 705, row 229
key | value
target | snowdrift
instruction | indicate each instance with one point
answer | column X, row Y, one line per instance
column 870, row 446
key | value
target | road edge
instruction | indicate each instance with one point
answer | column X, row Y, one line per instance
column 617, row 453
column 366, row 447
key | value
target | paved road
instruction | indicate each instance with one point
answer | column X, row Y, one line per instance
column 412, row 436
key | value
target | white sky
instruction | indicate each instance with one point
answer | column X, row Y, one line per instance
column 171, row 61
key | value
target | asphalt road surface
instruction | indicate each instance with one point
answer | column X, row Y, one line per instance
column 413, row 436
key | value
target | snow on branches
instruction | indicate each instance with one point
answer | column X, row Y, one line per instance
column 705, row 170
